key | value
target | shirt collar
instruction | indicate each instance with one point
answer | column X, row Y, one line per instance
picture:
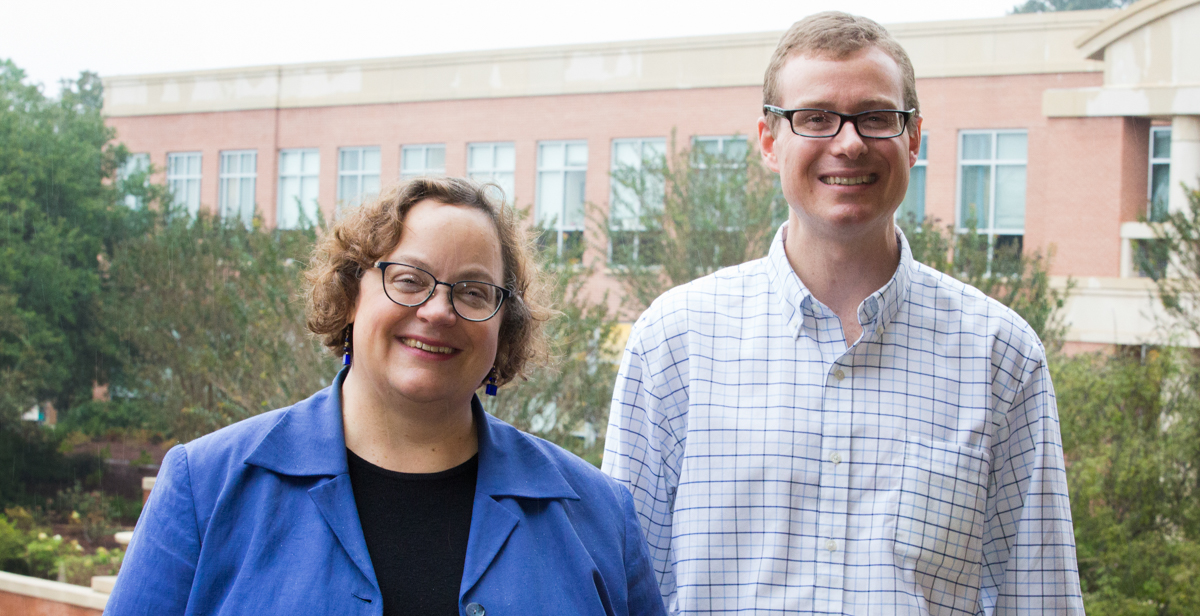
column 876, row 312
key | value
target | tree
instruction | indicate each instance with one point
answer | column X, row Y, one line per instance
column 1131, row 437
column 1046, row 6
column 1173, row 260
column 210, row 317
column 59, row 214
column 700, row 211
column 1021, row 282
column 567, row 401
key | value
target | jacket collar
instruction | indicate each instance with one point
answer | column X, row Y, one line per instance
column 308, row 440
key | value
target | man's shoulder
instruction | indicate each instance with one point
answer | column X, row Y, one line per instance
column 949, row 298
column 714, row 293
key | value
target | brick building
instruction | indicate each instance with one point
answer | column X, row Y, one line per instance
column 1062, row 130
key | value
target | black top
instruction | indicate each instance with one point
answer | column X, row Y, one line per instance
column 416, row 527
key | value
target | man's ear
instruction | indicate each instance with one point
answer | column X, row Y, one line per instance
column 766, row 145
column 914, row 142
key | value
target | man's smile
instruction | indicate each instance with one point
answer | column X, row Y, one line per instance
column 834, row 180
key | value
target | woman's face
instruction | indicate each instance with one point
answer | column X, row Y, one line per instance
column 429, row 354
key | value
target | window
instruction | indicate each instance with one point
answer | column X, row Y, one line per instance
column 705, row 149
column 1160, row 173
column 238, row 172
column 358, row 175
column 991, row 177
column 913, row 205
column 562, row 175
column 299, row 176
column 134, row 178
column 183, row 180
column 634, row 195
column 419, row 160
column 493, row 162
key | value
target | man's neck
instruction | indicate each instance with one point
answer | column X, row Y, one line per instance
column 842, row 272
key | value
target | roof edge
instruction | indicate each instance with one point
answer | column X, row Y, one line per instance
column 1124, row 21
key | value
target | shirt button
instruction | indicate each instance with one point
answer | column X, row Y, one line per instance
column 474, row 609
column 836, row 458
column 830, row 545
column 838, row 374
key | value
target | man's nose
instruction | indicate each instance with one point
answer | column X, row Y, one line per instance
column 847, row 141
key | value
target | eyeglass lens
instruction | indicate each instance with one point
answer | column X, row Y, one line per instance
column 818, row 123
column 411, row 286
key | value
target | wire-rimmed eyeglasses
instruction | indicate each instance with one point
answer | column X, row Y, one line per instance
column 821, row 123
column 411, row 286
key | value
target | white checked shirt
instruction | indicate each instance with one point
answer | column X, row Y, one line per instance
column 775, row 470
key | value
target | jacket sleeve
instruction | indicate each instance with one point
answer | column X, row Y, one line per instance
column 156, row 575
column 1029, row 562
column 644, row 441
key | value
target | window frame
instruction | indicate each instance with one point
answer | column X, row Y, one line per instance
column 191, row 183
column 993, row 164
column 1153, row 162
column 283, row 175
column 504, row 178
column 361, row 175
column 426, row 170
column 138, row 162
column 638, row 229
column 922, row 164
column 563, row 170
column 225, row 177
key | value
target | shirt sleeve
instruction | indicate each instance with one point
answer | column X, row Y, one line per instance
column 1029, row 562
column 644, row 443
column 644, row 596
column 156, row 575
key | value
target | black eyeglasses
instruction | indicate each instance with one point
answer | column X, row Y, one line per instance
column 820, row 123
column 412, row 286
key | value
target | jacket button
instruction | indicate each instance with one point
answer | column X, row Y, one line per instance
column 474, row 609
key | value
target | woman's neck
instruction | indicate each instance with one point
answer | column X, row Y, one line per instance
column 402, row 435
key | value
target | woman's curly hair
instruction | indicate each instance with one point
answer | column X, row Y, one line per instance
column 367, row 233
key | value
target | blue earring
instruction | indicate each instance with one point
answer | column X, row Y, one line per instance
column 346, row 347
column 492, row 388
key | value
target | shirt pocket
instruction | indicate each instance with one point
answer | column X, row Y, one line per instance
column 939, row 526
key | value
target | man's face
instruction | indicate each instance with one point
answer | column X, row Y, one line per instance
column 843, row 186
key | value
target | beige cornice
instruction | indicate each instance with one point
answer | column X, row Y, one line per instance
column 1123, row 22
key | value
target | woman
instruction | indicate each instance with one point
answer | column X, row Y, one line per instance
column 391, row 491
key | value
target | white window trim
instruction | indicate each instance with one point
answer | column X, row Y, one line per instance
column 223, row 177
column 1150, row 167
column 490, row 174
column 360, row 174
column 994, row 162
column 138, row 162
column 282, row 175
column 192, row 208
column 426, row 170
column 562, row 170
column 922, row 163
column 612, row 191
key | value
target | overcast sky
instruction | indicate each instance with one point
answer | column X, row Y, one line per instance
column 53, row 39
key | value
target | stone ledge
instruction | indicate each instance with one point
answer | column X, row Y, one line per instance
column 52, row 591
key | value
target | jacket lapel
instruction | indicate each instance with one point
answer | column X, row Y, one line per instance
column 308, row 441
column 510, row 466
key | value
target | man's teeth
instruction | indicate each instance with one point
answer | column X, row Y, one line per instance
column 840, row 181
column 416, row 344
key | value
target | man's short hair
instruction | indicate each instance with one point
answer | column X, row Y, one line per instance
column 837, row 35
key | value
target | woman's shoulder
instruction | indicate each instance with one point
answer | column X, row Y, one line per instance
column 582, row 476
column 232, row 445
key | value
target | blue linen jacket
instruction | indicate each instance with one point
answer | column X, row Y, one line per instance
column 259, row 518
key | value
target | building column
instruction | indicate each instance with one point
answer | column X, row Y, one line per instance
column 1185, row 161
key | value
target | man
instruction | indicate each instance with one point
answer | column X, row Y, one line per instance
column 836, row 428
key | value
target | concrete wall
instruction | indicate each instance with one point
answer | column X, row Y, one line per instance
column 27, row 596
